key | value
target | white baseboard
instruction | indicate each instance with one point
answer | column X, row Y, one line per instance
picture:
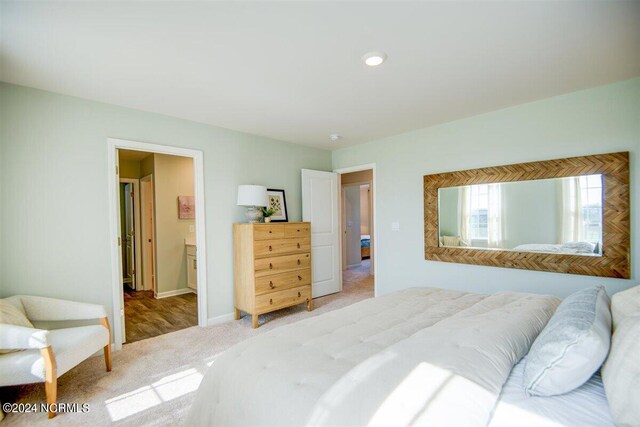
column 220, row 319
column 174, row 293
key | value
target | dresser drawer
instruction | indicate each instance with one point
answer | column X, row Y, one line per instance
column 276, row 300
column 297, row 230
column 268, row 231
column 278, row 282
column 263, row 248
column 266, row 266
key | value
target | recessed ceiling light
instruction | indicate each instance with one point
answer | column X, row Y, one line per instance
column 374, row 59
column 334, row 137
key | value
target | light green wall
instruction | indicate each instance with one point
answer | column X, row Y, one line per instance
column 54, row 202
column 532, row 212
column 448, row 212
column 599, row 120
column 352, row 217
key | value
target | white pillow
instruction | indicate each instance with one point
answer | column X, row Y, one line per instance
column 625, row 303
column 621, row 373
column 12, row 315
column 573, row 345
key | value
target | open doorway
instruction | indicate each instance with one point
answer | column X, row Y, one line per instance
column 357, row 211
column 159, row 293
column 160, row 240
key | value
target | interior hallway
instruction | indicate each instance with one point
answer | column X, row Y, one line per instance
column 147, row 317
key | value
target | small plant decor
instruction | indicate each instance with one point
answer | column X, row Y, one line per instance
column 267, row 213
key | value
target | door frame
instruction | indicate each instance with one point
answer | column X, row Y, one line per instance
column 113, row 145
column 374, row 184
column 136, row 226
column 143, row 234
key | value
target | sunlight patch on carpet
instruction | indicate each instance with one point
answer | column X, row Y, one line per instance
column 166, row 389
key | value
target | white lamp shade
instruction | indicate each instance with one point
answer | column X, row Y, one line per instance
column 252, row 195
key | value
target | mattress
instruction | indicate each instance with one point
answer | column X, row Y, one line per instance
column 417, row 356
column 365, row 241
column 584, row 407
column 564, row 248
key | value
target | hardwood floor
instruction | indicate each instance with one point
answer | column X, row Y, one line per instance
column 147, row 317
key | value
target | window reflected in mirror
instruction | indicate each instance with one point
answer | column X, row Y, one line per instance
column 559, row 215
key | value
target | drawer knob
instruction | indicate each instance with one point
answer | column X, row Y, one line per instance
column 298, row 230
column 270, row 231
column 270, row 248
column 271, row 285
column 298, row 245
column 298, row 262
column 299, row 295
column 271, row 301
column 299, row 277
column 270, row 266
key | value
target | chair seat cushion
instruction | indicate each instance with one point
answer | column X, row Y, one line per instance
column 70, row 347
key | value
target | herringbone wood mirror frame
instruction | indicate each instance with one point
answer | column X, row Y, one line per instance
column 614, row 261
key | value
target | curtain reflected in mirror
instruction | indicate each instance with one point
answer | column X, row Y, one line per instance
column 559, row 215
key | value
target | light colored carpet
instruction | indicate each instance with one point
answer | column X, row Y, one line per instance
column 153, row 381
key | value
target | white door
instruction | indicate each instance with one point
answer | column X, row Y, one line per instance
column 320, row 207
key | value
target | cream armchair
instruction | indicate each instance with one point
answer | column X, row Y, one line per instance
column 48, row 353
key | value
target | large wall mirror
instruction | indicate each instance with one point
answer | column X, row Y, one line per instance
column 567, row 215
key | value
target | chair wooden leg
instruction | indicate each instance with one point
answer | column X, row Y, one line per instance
column 107, row 357
column 107, row 348
column 50, row 378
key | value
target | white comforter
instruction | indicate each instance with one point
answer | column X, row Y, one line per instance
column 418, row 356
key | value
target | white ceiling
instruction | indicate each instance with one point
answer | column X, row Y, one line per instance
column 293, row 71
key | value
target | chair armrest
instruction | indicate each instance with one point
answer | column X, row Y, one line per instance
column 14, row 337
column 41, row 309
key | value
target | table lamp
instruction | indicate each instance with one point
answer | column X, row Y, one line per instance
column 253, row 197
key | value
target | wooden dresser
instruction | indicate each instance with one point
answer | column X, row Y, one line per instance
column 271, row 266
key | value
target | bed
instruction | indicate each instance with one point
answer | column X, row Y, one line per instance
column 365, row 246
column 569, row 248
column 420, row 356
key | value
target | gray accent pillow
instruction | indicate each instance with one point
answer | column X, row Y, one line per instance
column 573, row 345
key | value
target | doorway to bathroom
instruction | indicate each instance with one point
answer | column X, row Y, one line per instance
column 159, row 241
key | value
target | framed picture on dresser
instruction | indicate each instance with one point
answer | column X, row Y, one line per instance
column 278, row 203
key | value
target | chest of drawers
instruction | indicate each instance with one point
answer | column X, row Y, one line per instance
column 271, row 266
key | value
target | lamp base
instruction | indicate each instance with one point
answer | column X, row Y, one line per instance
column 253, row 214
